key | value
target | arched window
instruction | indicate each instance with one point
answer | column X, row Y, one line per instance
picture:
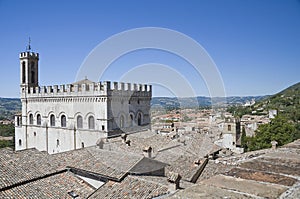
column 32, row 72
column 23, row 72
column 82, row 144
column 139, row 119
column 79, row 122
column 34, row 134
column 38, row 119
column 20, row 142
column 91, row 122
column 63, row 121
column 30, row 119
column 121, row 121
column 52, row 120
column 57, row 142
column 131, row 119
column 18, row 121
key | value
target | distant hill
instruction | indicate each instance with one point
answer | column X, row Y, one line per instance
column 200, row 101
column 9, row 107
column 286, row 102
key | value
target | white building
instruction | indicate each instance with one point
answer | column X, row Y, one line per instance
column 61, row 118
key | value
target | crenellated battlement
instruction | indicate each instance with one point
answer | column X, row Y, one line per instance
column 87, row 88
column 28, row 55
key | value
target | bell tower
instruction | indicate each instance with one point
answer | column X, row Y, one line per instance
column 28, row 69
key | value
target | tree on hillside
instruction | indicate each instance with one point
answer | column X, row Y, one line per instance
column 279, row 129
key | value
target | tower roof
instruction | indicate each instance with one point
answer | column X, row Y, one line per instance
column 84, row 81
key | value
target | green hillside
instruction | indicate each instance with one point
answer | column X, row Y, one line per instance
column 9, row 107
column 286, row 102
column 284, row 128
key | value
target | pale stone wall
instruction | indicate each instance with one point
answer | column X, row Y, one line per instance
column 115, row 107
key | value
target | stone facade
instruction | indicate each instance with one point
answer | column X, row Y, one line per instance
column 66, row 117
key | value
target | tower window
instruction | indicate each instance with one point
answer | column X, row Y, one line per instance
column 63, row 121
column 82, row 144
column 23, row 72
column 38, row 119
column 20, row 142
column 103, row 127
column 18, row 121
column 91, row 122
column 57, row 142
column 30, row 119
column 34, row 134
column 79, row 122
column 52, row 120
column 32, row 72
column 229, row 128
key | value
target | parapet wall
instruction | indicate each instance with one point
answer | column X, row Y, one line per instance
column 28, row 54
column 86, row 89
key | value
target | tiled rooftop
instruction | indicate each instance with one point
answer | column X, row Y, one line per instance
column 20, row 166
column 56, row 186
column 106, row 163
column 132, row 187
column 266, row 173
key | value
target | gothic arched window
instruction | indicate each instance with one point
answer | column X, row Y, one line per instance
column 79, row 122
column 91, row 122
column 30, row 119
column 52, row 120
column 131, row 119
column 63, row 121
column 139, row 119
column 38, row 119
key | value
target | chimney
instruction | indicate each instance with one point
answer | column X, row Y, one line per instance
column 174, row 179
column 100, row 143
column 274, row 144
column 147, row 151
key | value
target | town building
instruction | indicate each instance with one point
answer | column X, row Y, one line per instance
column 67, row 117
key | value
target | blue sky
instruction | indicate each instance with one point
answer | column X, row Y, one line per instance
column 254, row 43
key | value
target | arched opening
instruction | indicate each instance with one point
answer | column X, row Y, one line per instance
column 32, row 72
column 20, row 142
column 34, row 134
column 38, row 119
column 52, row 120
column 91, row 122
column 23, row 72
column 63, row 121
column 30, row 119
column 139, row 119
column 131, row 119
column 82, row 144
column 229, row 127
column 57, row 142
column 122, row 121
column 79, row 122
